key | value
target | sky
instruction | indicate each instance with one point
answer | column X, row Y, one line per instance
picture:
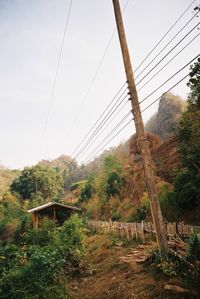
column 35, row 125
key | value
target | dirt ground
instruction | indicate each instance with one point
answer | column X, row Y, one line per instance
column 111, row 278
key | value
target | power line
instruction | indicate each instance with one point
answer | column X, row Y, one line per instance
column 95, row 133
column 91, row 137
column 101, row 131
column 145, row 107
column 57, row 68
column 176, row 73
column 104, row 54
column 87, row 160
column 113, row 130
column 168, row 43
column 166, row 54
column 138, row 67
column 102, row 114
column 106, row 118
column 164, row 36
column 110, row 140
column 182, row 79
column 169, row 61
column 95, row 74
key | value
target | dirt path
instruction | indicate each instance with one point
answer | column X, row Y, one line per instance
column 118, row 273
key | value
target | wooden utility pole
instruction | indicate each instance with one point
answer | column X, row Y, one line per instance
column 141, row 136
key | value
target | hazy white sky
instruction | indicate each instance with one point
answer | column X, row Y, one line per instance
column 30, row 37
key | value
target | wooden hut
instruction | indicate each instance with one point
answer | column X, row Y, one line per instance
column 53, row 210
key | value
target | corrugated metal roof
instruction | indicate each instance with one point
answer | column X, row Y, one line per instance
column 52, row 204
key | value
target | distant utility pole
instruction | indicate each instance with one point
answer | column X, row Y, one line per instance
column 141, row 136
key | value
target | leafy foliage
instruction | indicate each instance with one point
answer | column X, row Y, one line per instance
column 114, row 184
column 6, row 178
column 189, row 139
column 194, row 248
column 186, row 189
column 37, row 266
column 187, row 184
column 13, row 218
column 39, row 178
column 168, row 262
column 86, row 192
column 194, row 81
column 142, row 212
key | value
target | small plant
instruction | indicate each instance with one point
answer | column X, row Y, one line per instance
column 168, row 262
column 168, row 268
column 142, row 213
column 193, row 252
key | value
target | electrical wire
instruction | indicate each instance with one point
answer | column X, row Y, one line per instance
column 168, row 43
column 96, row 73
column 176, row 73
column 181, row 69
column 106, row 118
column 152, row 68
column 110, row 140
column 169, row 62
column 111, row 120
column 113, row 130
column 164, row 36
column 104, row 54
column 88, row 160
column 168, row 53
column 83, row 150
column 111, row 110
column 57, row 70
column 100, row 126
column 183, row 78
column 102, row 114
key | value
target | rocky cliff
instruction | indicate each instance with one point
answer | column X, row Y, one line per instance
column 165, row 121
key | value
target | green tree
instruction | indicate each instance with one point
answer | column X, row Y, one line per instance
column 194, row 83
column 114, row 184
column 187, row 185
column 111, row 165
column 86, row 192
column 38, row 179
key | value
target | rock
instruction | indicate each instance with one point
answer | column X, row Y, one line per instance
column 141, row 247
column 166, row 120
column 119, row 244
column 140, row 260
column 178, row 289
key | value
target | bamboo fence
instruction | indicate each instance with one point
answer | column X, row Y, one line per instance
column 141, row 230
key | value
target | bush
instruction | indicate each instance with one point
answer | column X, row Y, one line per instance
column 72, row 234
column 193, row 252
column 186, row 187
column 35, row 266
column 168, row 262
column 114, row 184
column 86, row 192
column 33, row 275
